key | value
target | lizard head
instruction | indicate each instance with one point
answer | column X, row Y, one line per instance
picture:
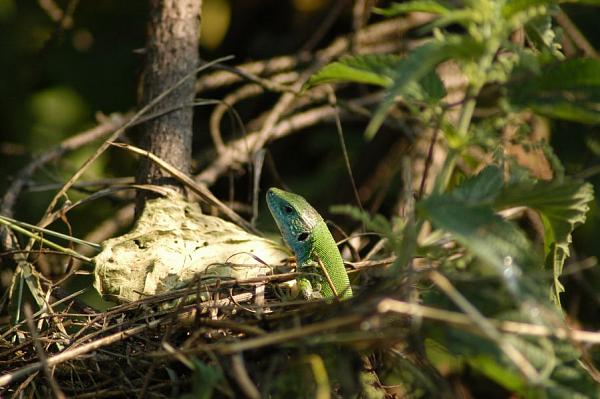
column 294, row 217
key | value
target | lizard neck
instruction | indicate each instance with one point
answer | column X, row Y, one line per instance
column 326, row 250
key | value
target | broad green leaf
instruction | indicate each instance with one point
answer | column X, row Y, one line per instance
column 562, row 206
column 494, row 240
column 482, row 188
column 420, row 62
column 370, row 69
column 431, row 6
column 566, row 90
column 380, row 70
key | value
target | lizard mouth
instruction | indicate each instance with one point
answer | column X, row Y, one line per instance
column 272, row 197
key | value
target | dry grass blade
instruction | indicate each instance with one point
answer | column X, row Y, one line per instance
column 199, row 189
column 462, row 320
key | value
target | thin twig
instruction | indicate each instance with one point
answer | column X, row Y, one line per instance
column 237, row 150
column 41, row 354
column 76, row 351
column 328, row 278
column 340, row 132
column 429, row 160
column 366, row 39
column 278, row 337
column 575, row 34
column 43, row 310
column 243, row 93
column 240, row 373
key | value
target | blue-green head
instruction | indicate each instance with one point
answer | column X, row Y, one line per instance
column 295, row 218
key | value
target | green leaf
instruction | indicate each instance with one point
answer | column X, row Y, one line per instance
column 432, row 89
column 562, row 206
column 370, row 69
column 380, row 70
column 431, row 6
column 561, row 371
column 492, row 239
column 420, row 62
column 204, row 380
column 497, row 371
column 540, row 31
column 25, row 288
column 566, row 90
column 482, row 188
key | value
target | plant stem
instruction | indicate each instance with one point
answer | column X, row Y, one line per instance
column 38, row 237
column 464, row 122
column 52, row 233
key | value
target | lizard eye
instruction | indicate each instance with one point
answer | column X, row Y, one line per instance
column 288, row 209
column 302, row 236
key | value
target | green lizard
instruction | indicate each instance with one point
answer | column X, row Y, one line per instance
column 305, row 231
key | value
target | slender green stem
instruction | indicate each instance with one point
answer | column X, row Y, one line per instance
column 464, row 121
column 38, row 237
column 52, row 233
column 467, row 112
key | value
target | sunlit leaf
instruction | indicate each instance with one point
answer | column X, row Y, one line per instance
column 431, row 6
column 381, row 70
column 563, row 207
column 370, row 69
column 420, row 62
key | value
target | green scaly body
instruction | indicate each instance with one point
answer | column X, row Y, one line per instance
column 305, row 231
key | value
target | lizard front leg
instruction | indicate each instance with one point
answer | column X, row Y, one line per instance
column 309, row 282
